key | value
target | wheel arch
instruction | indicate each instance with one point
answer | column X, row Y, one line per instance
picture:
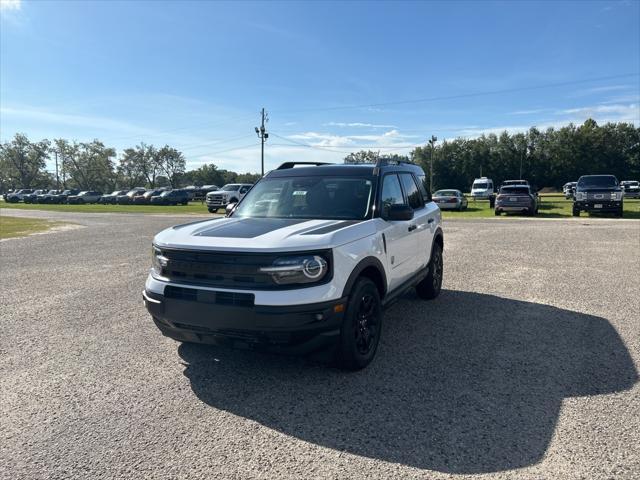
column 371, row 268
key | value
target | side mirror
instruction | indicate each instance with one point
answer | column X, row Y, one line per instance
column 230, row 208
column 399, row 213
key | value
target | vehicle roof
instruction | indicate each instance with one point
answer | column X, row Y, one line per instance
column 344, row 170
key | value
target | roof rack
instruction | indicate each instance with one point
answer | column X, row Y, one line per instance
column 382, row 161
column 287, row 165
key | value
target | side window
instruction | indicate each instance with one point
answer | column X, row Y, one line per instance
column 244, row 190
column 391, row 193
column 424, row 188
column 411, row 190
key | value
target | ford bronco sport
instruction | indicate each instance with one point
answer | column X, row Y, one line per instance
column 308, row 259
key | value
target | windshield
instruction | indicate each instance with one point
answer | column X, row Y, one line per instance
column 82, row 193
column 166, row 193
column 482, row 185
column 131, row 193
column 631, row 184
column 598, row 181
column 344, row 198
column 230, row 188
column 446, row 193
column 514, row 190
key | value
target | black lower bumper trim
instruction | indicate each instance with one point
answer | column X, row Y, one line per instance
column 296, row 328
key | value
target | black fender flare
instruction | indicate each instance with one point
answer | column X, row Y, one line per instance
column 360, row 267
column 438, row 235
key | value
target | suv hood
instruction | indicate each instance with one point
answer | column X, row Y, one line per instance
column 263, row 234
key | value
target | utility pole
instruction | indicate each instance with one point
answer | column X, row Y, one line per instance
column 432, row 142
column 57, row 177
column 262, row 135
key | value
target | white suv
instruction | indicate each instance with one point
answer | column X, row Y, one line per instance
column 230, row 193
column 308, row 259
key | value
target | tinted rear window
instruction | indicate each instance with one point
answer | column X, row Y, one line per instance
column 514, row 190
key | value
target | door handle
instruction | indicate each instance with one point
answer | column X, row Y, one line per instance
column 412, row 228
column 430, row 220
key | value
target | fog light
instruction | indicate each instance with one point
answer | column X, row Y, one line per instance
column 338, row 308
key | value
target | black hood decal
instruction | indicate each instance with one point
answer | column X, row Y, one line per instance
column 331, row 228
column 249, row 227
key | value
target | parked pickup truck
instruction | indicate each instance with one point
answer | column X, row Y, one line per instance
column 598, row 193
column 230, row 193
column 311, row 270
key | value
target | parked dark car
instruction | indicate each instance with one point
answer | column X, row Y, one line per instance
column 145, row 198
column 87, row 196
column 171, row 197
column 7, row 193
column 46, row 197
column 110, row 198
column 18, row 195
column 127, row 198
column 33, row 196
column 516, row 198
column 598, row 193
column 62, row 197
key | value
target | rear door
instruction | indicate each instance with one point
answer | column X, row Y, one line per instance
column 399, row 236
column 423, row 220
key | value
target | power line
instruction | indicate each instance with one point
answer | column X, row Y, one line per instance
column 467, row 95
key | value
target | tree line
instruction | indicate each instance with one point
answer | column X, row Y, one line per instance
column 93, row 166
column 547, row 158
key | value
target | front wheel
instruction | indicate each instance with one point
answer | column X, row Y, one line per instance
column 361, row 327
column 576, row 212
column 496, row 213
column 429, row 288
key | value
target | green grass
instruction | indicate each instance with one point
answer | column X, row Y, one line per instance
column 11, row 227
column 551, row 206
column 192, row 208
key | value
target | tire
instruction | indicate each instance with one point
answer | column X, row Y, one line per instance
column 233, row 200
column 576, row 212
column 496, row 213
column 619, row 213
column 212, row 210
column 361, row 326
column 430, row 287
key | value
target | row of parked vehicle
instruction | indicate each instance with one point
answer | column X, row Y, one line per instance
column 591, row 193
column 214, row 196
column 135, row 196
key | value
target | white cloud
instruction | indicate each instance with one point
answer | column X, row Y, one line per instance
column 529, row 112
column 10, row 4
column 615, row 112
column 357, row 125
column 84, row 121
column 390, row 138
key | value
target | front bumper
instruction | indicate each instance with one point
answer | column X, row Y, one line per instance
column 204, row 316
column 216, row 203
column 598, row 205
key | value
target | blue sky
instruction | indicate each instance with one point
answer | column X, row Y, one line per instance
column 334, row 77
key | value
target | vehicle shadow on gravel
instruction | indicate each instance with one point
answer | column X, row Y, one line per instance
column 468, row 383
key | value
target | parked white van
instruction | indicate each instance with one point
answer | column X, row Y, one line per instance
column 482, row 188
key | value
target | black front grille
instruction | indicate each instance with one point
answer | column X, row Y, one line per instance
column 230, row 270
column 206, row 296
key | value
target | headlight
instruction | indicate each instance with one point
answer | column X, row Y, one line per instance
column 616, row 195
column 581, row 196
column 158, row 261
column 298, row 269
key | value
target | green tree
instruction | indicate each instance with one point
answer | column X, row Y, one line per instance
column 22, row 163
column 171, row 162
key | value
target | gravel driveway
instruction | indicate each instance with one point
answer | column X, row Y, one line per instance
column 525, row 367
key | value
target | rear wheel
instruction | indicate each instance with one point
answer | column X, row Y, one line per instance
column 361, row 327
column 429, row 288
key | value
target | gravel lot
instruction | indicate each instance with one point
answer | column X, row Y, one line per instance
column 525, row 367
